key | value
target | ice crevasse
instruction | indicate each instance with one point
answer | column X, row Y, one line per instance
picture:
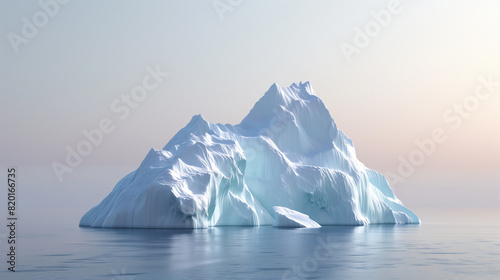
column 286, row 153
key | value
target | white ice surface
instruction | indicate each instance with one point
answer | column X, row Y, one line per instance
column 285, row 217
column 287, row 151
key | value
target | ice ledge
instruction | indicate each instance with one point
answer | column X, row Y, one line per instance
column 285, row 217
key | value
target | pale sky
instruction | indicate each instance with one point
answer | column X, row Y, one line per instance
column 390, row 92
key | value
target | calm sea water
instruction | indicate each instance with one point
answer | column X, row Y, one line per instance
column 427, row 251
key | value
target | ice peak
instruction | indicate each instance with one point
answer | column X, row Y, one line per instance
column 196, row 126
column 198, row 121
column 306, row 86
column 296, row 100
column 300, row 91
column 199, row 124
column 197, row 118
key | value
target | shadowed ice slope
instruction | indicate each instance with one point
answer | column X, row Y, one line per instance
column 287, row 152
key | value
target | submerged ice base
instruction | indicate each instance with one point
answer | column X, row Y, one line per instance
column 286, row 152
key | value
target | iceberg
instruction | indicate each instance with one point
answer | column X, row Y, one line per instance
column 289, row 218
column 286, row 152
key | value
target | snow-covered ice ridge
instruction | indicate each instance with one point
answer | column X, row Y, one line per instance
column 287, row 152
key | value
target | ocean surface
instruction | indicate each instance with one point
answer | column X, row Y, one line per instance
column 62, row 250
